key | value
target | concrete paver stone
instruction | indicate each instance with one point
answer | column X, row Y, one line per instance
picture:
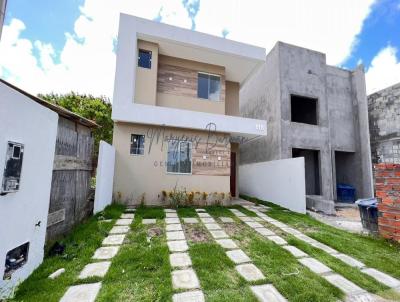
column 191, row 296
column 82, row 293
column 96, row 269
column 267, row 293
column 177, row 246
column 249, row 272
column 238, row 256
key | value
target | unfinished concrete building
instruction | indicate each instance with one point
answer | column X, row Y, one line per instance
column 315, row 111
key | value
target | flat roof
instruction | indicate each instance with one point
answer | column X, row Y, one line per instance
column 58, row 109
column 239, row 59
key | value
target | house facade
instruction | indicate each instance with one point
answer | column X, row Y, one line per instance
column 315, row 111
column 176, row 111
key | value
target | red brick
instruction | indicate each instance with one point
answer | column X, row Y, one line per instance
column 392, row 180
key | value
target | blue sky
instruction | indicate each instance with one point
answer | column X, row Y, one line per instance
column 56, row 40
column 381, row 28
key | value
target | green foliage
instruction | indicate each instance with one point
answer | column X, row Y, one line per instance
column 97, row 109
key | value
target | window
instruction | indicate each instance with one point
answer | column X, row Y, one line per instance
column 13, row 167
column 144, row 59
column 208, row 86
column 304, row 109
column 137, row 144
column 179, row 157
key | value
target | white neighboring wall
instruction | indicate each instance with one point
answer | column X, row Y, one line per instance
column 280, row 181
column 104, row 177
column 22, row 120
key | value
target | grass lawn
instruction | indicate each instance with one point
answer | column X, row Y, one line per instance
column 374, row 252
column 80, row 246
column 141, row 270
column 281, row 269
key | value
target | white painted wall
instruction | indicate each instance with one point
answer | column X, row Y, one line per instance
column 280, row 181
column 104, row 177
column 239, row 60
column 24, row 121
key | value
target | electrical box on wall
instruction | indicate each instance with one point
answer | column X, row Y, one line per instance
column 12, row 167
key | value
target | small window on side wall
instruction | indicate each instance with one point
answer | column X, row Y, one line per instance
column 137, row 144
column 12, row 168
column 144, row 59
column 208, row 86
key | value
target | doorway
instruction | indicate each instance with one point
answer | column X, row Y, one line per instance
column 233, row 174
column 312, row 169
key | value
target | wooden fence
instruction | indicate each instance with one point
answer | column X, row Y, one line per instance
column 70, row 187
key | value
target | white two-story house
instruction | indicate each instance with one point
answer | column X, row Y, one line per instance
column 176, row 111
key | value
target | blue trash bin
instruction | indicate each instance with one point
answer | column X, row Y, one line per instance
column 369, row 214
column 346, row 193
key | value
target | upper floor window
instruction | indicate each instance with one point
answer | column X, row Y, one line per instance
column 137, row 144
column 208, row 86
column 304, row 109
column 144, row 59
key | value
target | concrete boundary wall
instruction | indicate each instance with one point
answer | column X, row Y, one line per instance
column 104, row 177
column 280, row 181
column 23, row 213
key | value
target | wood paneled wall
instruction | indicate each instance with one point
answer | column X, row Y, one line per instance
column 179, row 77
column 211, row 165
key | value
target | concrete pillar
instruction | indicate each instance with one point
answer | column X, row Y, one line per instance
column 360, row 98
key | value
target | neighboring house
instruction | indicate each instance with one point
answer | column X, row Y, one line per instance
column 176, row 111
column 28, row 134
column 72, row 169
column 315, row 111
column 3, row 4
column 384, row 125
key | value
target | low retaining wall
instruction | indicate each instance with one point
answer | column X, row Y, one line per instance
column 280, row 181
column 387, row 187
column 104, row 177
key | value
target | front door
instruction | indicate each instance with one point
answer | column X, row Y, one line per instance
column 233, row 174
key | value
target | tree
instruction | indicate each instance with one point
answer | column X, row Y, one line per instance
column 97, row 109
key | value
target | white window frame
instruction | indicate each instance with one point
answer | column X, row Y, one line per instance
column 220, row 86
column 179, row 152
column 131, row 142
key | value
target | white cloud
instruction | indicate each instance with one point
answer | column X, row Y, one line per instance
column 384, row 70
column 327, row 26
column 87, row 61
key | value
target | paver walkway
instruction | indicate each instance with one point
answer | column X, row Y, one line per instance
column 111, row 244
column 244, row 265
column 183, row 275
column 352, row 291
column 379, row 276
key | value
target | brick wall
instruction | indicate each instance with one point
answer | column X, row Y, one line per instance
column 387, row 186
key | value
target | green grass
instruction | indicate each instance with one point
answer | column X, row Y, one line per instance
column 278, row 265
column 186, row 212
column 218, row 277
column 80, row 246
column 375, row 252
column 148, row 213
column 141, row 270
column 351, row 273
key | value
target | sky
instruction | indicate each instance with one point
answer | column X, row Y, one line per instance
column 69, row 45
